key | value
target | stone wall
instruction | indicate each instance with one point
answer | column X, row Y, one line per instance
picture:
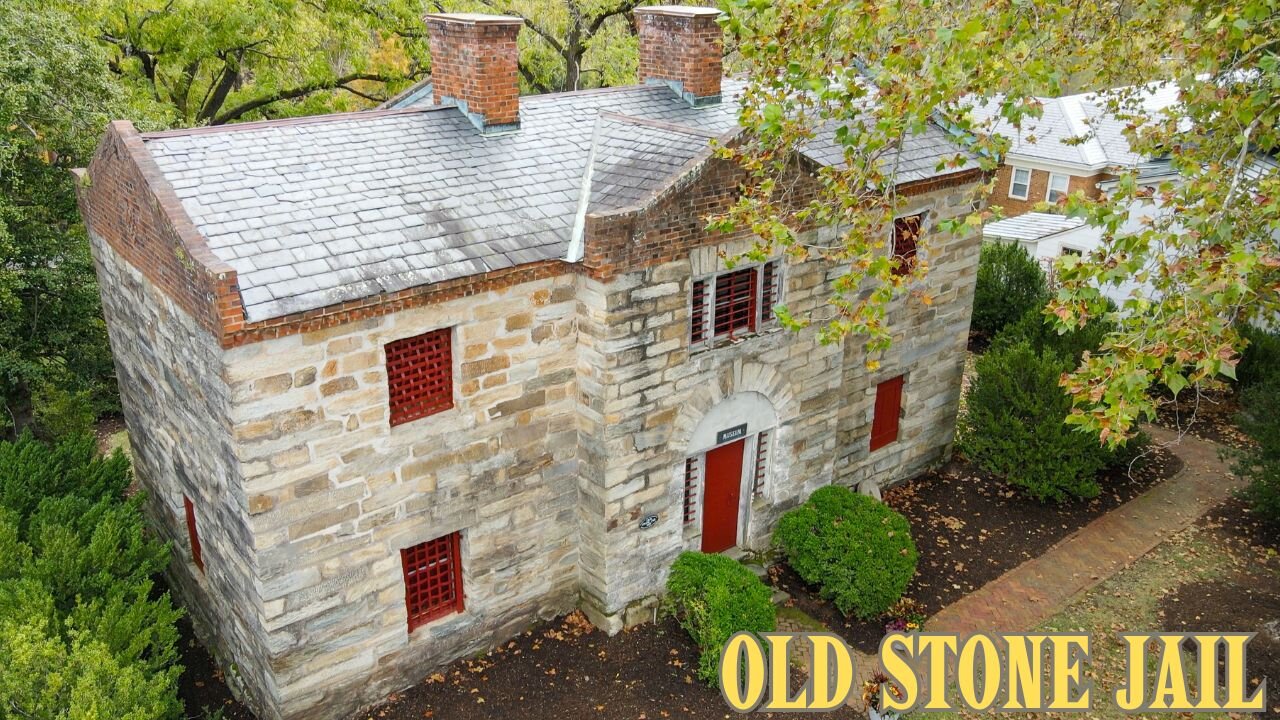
column 178, row 410
column 929, row 342
column 645, row 390
column 334, row 492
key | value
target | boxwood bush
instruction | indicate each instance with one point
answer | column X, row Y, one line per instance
column 714, row 597
column 855, row 549
column 1260, row 360
column 1010, row 283
column 81, row 630
column 1014, row 425
column 1259, row 463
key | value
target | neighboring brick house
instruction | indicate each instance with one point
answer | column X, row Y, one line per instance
column 1074, row 146
column 401, row 382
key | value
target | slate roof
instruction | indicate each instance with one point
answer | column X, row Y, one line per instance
column 1052, row 137
column 312, row 212
column 1031, row 226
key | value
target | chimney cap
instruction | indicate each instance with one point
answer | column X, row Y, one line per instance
column 678, row 10
column 474, row 18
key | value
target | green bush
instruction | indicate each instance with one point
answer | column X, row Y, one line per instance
column 83, row 632
column 715, row 597
column 1260, row 360
column 1010, row 284
column 857, row 550
column 1038, row 331
column 1013, row 425
column 1260, row 464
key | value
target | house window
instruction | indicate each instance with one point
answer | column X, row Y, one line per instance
column 432, row 579
column 690, row 490
column 762, row 464
column 733, row 303
column 1020, row 184
column 196, row 555
column 420, row 375
column 906, row 233
column 1058, row 187
column 884, row 423
column 1072, row 251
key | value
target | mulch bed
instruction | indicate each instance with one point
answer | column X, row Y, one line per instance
column 201, row 687
column 1209, row 416
column 569, row 670
column 1248, row 600
column 970, row 529
column 566, row 669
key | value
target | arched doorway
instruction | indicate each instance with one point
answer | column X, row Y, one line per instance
column 724, row 463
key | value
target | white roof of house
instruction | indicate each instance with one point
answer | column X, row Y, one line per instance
column 1031, row 226
column 1077, row 129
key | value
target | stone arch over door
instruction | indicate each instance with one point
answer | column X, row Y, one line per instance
column 741, row 378
column 746, row 393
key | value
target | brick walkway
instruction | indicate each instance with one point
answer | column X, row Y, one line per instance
column 1031, row 593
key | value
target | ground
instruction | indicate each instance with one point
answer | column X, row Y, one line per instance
column 971, row 528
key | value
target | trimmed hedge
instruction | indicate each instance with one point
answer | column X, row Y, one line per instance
column 82, row 632
column 857, row 550
column 1010, row 284
column 715, row 597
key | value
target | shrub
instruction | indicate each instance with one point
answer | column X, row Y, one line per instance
column 857, row 550
column 1010, row 283
column 1260, row 360
column 1038, row 331
column 715, row 597
column 1260, row 464
column 1013, row 425
column 86, row 635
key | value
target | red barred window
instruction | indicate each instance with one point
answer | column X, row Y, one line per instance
column 420, row 375
column 690, row 490
column 906, row 231
column 733, row 303
column 736, row 309
column 432, row 579
column 196, row 555
column 762, row 463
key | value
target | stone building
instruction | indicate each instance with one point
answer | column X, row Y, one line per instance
column 402, row 382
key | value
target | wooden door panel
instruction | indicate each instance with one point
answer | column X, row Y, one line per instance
column 722, row 488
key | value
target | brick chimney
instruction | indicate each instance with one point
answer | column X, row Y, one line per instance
column 682, row 46
column 474, row 66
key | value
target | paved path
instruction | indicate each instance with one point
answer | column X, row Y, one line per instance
column 1033, row 592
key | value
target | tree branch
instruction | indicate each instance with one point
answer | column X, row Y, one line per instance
column 244, row 108
column 528, row 76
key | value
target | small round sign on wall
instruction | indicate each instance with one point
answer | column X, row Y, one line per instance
column 648, row 521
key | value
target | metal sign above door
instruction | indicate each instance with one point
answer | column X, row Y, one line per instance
column 734, row 433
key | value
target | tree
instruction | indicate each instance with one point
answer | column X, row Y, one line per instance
column 881, row 72
column 1010, row 283
column 571, row 44
column 218, row 61
column 56, row 97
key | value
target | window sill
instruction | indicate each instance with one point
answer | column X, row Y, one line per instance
column 442, row 625
column 724, row 341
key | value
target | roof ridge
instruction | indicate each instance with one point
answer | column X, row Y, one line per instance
column 290, row 122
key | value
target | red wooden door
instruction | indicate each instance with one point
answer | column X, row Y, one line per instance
column 722, row 486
